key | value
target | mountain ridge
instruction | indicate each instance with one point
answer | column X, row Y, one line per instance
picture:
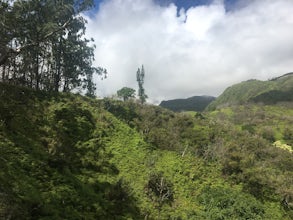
column 194, row 103
column 273, row 91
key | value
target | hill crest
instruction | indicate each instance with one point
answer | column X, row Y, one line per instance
column 194, row 103
column 273, row 91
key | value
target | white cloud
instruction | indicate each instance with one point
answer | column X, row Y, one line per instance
column 201, row 51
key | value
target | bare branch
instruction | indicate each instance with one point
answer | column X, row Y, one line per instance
column 58, row 29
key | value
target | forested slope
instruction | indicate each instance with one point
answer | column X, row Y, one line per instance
column 277, row 90
column 195, row 103
column 65, row 156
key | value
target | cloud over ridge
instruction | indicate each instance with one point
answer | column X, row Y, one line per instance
column 197, row 51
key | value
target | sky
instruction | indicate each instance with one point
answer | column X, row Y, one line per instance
column 190, row 47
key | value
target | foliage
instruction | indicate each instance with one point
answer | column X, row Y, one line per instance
column 159, row 189
column 66, row 156
column 226, row 203
column 251, row 158
column 288, row 135
column 195, row 103
column 52, row 159
column 274, row 96
column 126, row 93
column 140, row 80
column 44, row 47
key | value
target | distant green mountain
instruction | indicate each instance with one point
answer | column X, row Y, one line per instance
column 279, row 89
column 195, row 103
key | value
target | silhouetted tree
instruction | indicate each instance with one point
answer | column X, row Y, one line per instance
column 140, row 80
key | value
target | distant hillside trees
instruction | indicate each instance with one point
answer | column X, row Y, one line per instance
column 43, row 47
column 140, row 80
column 195, row 103
column 126, row 93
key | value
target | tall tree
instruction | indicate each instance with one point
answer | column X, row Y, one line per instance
column 140, row 80
column 42, row 45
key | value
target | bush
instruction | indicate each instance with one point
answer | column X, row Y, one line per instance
column 228, row 203
column 159, row 189
column 288, row 136
column 268, row 133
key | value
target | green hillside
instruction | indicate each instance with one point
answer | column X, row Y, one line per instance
column 195, row 103
column 279, row 89
column 65, row 156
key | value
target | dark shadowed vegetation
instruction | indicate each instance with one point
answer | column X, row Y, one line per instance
column 195, row 103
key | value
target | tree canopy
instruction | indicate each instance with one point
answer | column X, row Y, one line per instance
column 126, row 93
column 43, row 47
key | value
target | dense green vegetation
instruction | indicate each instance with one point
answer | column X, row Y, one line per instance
column 42, row 43
column 65, row 156
column 126, row 93
column 273, row 91
column 195, row 103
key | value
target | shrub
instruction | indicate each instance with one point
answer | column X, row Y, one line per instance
column 227, row 203
column 159, row 189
